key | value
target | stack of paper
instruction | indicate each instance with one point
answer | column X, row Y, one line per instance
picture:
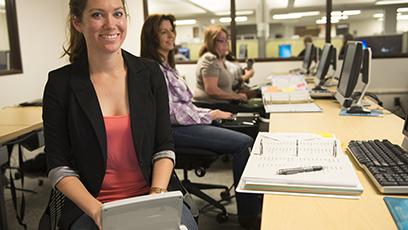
column 276, row 151
column 288, row 94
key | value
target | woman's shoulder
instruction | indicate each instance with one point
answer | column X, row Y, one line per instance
column 209, row 56
column 207, row 59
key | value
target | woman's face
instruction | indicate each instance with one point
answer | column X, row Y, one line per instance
column 167, row 37
column 103, row 25
column 222, row 44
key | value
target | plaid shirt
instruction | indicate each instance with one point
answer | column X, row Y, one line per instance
column 182, row 110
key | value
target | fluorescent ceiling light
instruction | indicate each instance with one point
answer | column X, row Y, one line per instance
column 351, row 12
column 334, row 13
column 225, row 19
column 390, row 2
column 185, row 22
column 402, row 17
column 241, row 19
column 239, row 12
column 277, row 4
column 295, row 15
column 378, row 15
column 402, row 10
column 237, row 19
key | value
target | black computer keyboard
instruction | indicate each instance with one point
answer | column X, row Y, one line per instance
column 385, row 163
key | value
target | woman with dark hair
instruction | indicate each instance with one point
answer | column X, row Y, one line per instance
column 192, row 125
column 106, row 124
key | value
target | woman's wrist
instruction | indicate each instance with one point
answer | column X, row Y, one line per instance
column 155, row 190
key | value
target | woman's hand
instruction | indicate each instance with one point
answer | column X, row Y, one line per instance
column 95, row 213
column 242, row 97
column 248, row 74
column 220, row 115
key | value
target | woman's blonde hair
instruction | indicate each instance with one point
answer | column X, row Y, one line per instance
column 210, row 38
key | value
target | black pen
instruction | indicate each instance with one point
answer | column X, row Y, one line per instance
column 290, row 171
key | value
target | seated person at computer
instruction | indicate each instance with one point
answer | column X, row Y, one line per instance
column 346, row 37
column 106, row 119
column 214, row 81
column 192, row 125
column 306, row 39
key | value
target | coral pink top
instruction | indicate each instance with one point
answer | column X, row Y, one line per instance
column 123, row 176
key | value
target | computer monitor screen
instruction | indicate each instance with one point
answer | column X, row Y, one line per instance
column 364, row 42
column 184, row 51
column 307, row 60
column 325, row 61
column 383, row 45
column 285, row 51
column 349, row 73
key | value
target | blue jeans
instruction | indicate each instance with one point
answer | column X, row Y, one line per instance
column 85, row 222
column 223, row 141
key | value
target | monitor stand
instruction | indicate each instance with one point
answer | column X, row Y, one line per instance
column 359, row 107
column 331, row 81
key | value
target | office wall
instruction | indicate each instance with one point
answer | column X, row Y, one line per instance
column 42, row 34
column 4, row 42
column 366, row 27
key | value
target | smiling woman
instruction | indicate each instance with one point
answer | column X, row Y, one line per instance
column 10, row 57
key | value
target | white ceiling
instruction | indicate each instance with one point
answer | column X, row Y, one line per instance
column 192, row 8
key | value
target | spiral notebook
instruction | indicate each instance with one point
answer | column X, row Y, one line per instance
column 275, row 151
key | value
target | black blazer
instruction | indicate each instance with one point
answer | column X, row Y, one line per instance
column 74, row 129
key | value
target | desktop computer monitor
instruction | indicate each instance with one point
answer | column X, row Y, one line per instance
column 285, row 51
column 349, row 73
column 327, row 59
column 184, row 51
column 310, row 54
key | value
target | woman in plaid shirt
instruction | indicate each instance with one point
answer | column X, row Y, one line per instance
column 191, row 124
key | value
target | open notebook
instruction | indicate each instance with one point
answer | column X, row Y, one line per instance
column 275, row 151
column 159, row 211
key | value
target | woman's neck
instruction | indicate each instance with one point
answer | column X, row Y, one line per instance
column 106, row 63
column 164, row 55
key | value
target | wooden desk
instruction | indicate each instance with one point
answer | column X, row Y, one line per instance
column 29, row 116
column 15, row 122
column 296, row 212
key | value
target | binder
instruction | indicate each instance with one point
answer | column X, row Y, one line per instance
column 275, row 151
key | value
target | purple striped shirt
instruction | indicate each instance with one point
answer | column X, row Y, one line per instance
column 182, row 110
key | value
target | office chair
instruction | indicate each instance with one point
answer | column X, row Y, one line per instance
column 199, row 160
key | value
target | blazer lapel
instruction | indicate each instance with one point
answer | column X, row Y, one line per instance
column 138, row 87
column 88, row 100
